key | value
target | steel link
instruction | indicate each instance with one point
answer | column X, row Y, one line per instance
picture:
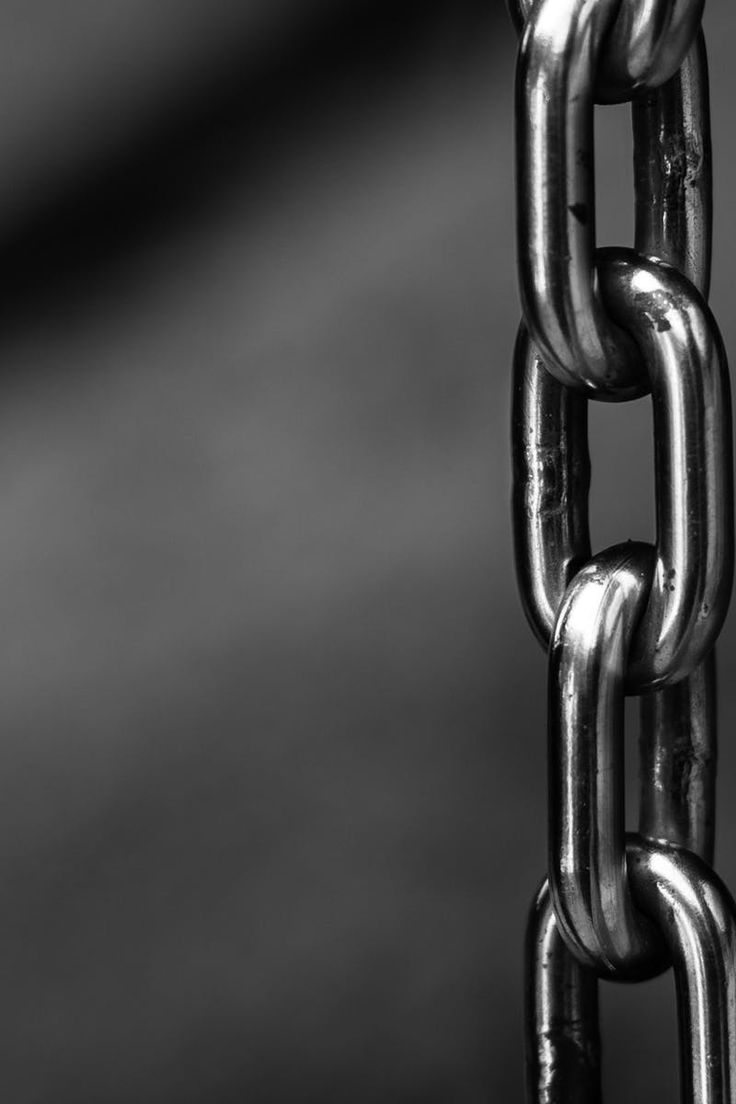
column 674, row 217
column 551, row 468
column 587, row 665
column 677, row 753
column 579, row 343
column 672, row 171
column 563, row 1046
column 562, row 1030
column 558, row 59
column 684, row 353
column 686, row 363
column 588, row 658
column 645, row 46
column 697, row 920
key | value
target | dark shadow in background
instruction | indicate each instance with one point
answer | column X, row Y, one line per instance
column 333, row 64
column 229, row 129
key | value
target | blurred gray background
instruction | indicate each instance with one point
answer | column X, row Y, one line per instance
column 272, row 797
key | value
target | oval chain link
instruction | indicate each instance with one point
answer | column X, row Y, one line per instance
column 586, row 771
column 579, row 343
column 697, row 918
column 686, row 361
column 560, row 48
column 694, row 568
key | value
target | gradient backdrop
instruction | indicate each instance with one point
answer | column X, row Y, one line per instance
column 272, row 797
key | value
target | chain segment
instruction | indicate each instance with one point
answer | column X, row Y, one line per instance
column 695, row 914
column 687, row 369
column 613, row 325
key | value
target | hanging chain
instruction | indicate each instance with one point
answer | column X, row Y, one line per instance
column 615, row 324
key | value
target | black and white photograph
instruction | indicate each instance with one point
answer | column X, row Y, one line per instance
column 367, row 675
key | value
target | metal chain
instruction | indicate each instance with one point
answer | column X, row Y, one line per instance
column 615, row 324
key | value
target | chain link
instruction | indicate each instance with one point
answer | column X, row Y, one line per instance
column 644, row 48
column 614, row 324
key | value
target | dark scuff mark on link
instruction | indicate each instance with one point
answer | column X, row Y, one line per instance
column 682, row 160
column 580, row 211
column 569, row 1057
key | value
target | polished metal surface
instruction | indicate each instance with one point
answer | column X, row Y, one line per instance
column 644, row 48
column 613, row 324
column 673, row 171
column 690, row 392
column 588, row 659
column 677, row 754
column 688, row 373
column 563, row 1047
column 558, row 57
column 579, row 343
column 696, row 919
column 587, row 667
column 551, row 477
column 672, row 159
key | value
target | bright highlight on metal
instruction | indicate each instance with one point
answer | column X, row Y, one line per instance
column 615, row 324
